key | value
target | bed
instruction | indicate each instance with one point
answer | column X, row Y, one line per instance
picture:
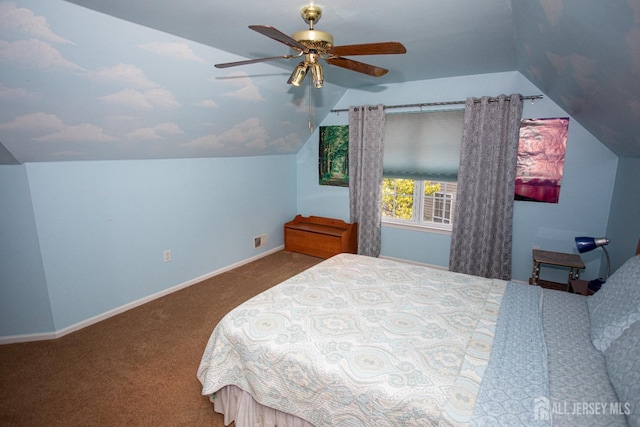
column 362, row 341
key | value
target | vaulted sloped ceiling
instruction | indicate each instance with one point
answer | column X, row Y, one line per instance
column 122, row 79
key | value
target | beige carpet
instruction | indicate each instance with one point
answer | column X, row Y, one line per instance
column 137, row 368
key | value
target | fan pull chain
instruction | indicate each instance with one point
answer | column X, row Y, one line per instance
column 310, row 124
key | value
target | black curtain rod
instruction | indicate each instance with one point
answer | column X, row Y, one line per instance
column 435, row 104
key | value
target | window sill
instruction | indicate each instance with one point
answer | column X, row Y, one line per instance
column 416, row 227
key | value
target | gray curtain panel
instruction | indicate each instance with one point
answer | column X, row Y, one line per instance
column 366, row 137
column 482, row 227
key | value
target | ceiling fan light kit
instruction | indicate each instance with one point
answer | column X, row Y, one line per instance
column 298, row 74
column 317, row 45
column 317, row 74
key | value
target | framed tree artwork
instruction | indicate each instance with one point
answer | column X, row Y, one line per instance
column 333, row 159
column 540, row 163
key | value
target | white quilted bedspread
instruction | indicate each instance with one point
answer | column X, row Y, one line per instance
column 360, row 341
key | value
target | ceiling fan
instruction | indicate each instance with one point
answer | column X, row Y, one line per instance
column 317, row 45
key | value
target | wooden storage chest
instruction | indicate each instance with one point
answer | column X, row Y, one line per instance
column 320, row 237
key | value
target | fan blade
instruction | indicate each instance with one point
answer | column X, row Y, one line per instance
column 277, row 35
column 360, row 67
column 253, row 61
column 385, row 48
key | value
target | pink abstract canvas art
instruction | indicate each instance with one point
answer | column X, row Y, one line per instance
column 541, row 159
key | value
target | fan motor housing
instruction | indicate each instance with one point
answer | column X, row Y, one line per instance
column 314, row 39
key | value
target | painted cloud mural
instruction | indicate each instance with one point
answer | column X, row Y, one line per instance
column 79, row 85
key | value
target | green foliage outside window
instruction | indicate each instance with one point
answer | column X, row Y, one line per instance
column 398, row 195
column 397, row 198
column 431, row 188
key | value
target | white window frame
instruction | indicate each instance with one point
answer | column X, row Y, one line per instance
column 416, row 223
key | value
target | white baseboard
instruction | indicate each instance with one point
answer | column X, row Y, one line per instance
column 12, row 339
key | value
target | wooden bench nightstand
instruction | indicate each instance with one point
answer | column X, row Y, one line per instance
column 571, row 261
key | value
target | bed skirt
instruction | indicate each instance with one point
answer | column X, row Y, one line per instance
column 240, row 407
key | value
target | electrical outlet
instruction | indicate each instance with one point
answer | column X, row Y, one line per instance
column 260, row 241
column 167, row 255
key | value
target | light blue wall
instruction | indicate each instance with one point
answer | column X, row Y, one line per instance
column 624, row 222
column 24, row 299
column 589, row 169
column 103, row 226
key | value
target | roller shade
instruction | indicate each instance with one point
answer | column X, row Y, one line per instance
column 423, row 145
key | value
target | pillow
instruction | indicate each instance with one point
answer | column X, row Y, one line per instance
column 616, row 306
column 623, row 364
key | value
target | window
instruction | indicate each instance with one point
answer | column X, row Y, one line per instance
column 420, row 168
column 408, row 202
column 439, row 202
